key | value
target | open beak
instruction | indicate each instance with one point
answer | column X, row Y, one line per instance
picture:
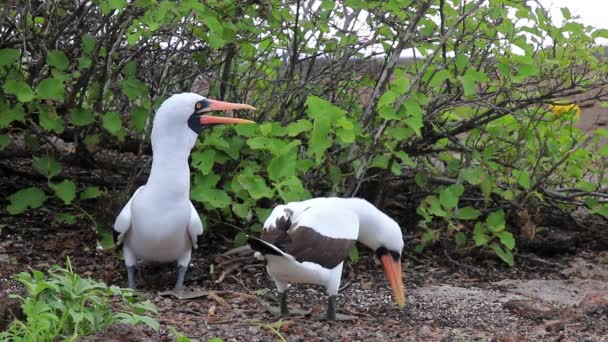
column 216, row 120
column 215, row 105
column 392, row 271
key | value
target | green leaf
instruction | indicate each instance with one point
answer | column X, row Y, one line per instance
column 255, row 185
column 49, row 120
column 91, row 192
column 65, row 190
column 469, row 79
column 524, row 180
column 50, row 89
column 46, row 166
column 320, row 141
column 450, row 196
column 282, row 166
column 203, row 161
column 496, row 221
column 140, row 116
column 65, row 218
column 473, row 175
column 9, row 56
column 460, row 238
column 240, row 239
column 292, row 190
column 88, row 43
column 4, row 141
column 58, row 59
column 8, row 115
column 439, row 78
column 298, row 127
column 380, row 161
column 26, row 198
column 20, row 89
column 480, row 236
column 134, row 88
column 353, row 254
column 112, row 123
column 241, row 210
column 566, row 13
column 507, row 239
column 435, row 207
column 266, row 128
column 81, row 117
column 211, row 198
column 345, row 131
column 320, row 108
column 84, row 62
column 505, row 256
column 467, row 213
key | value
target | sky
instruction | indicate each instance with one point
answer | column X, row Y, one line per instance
column 591, row 12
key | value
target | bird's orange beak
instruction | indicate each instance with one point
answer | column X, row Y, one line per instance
column 215, row 105
column 392, row 271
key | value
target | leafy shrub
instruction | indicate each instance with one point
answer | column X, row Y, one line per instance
column 65, row 305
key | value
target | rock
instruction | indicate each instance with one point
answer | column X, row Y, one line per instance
column 594, row 303
column 425, row 331
column 554, row 325
column 530, row 309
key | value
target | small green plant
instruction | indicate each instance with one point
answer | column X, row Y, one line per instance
column 275, row 328
column 64, row 305
column 179, row 337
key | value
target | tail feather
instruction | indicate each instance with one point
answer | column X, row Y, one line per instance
column 265, row 248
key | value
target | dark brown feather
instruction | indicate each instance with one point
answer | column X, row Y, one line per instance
column 309, row 245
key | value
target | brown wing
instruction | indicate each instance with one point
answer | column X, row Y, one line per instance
column 309, row 245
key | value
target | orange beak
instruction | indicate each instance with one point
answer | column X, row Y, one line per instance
column 392, row 271
column 221, row 105
column 216, row 120
column 215, row 105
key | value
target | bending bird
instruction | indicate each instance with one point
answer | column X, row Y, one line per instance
column 159, row 223
column 308, row 241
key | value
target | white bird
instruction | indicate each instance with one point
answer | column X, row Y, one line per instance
column 307, row 242
column 159, row 223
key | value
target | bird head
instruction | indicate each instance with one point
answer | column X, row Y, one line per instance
column 199, row 117
column 386, row 240
column 182, row 117
column 391, row 262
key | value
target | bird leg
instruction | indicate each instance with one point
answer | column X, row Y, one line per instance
column 331, row 308
column 132, row 276
column 283, row 303
column 181, row 274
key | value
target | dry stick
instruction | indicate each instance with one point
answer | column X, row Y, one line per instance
column 559, row 162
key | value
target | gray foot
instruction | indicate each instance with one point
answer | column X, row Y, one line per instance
column 181, row 274
column 132, row 276
column 331, row 308
column 283, row 303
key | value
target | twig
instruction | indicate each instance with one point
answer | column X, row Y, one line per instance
column 219, row 300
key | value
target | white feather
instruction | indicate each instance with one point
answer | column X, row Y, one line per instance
column 195, row 227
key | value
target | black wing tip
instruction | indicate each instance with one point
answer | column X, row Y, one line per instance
column 115, row 235
column 262, row 246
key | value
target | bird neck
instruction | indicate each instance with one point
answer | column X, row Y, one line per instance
column 170, row 172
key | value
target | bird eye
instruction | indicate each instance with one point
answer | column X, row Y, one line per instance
column 199, row 105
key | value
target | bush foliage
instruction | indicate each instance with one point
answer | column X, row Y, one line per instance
column 466, row 132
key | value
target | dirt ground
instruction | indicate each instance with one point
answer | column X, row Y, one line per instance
column 543, row 299
column 558, row 297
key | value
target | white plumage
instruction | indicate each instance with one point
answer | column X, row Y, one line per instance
column 307, row 242
column 159, row 223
